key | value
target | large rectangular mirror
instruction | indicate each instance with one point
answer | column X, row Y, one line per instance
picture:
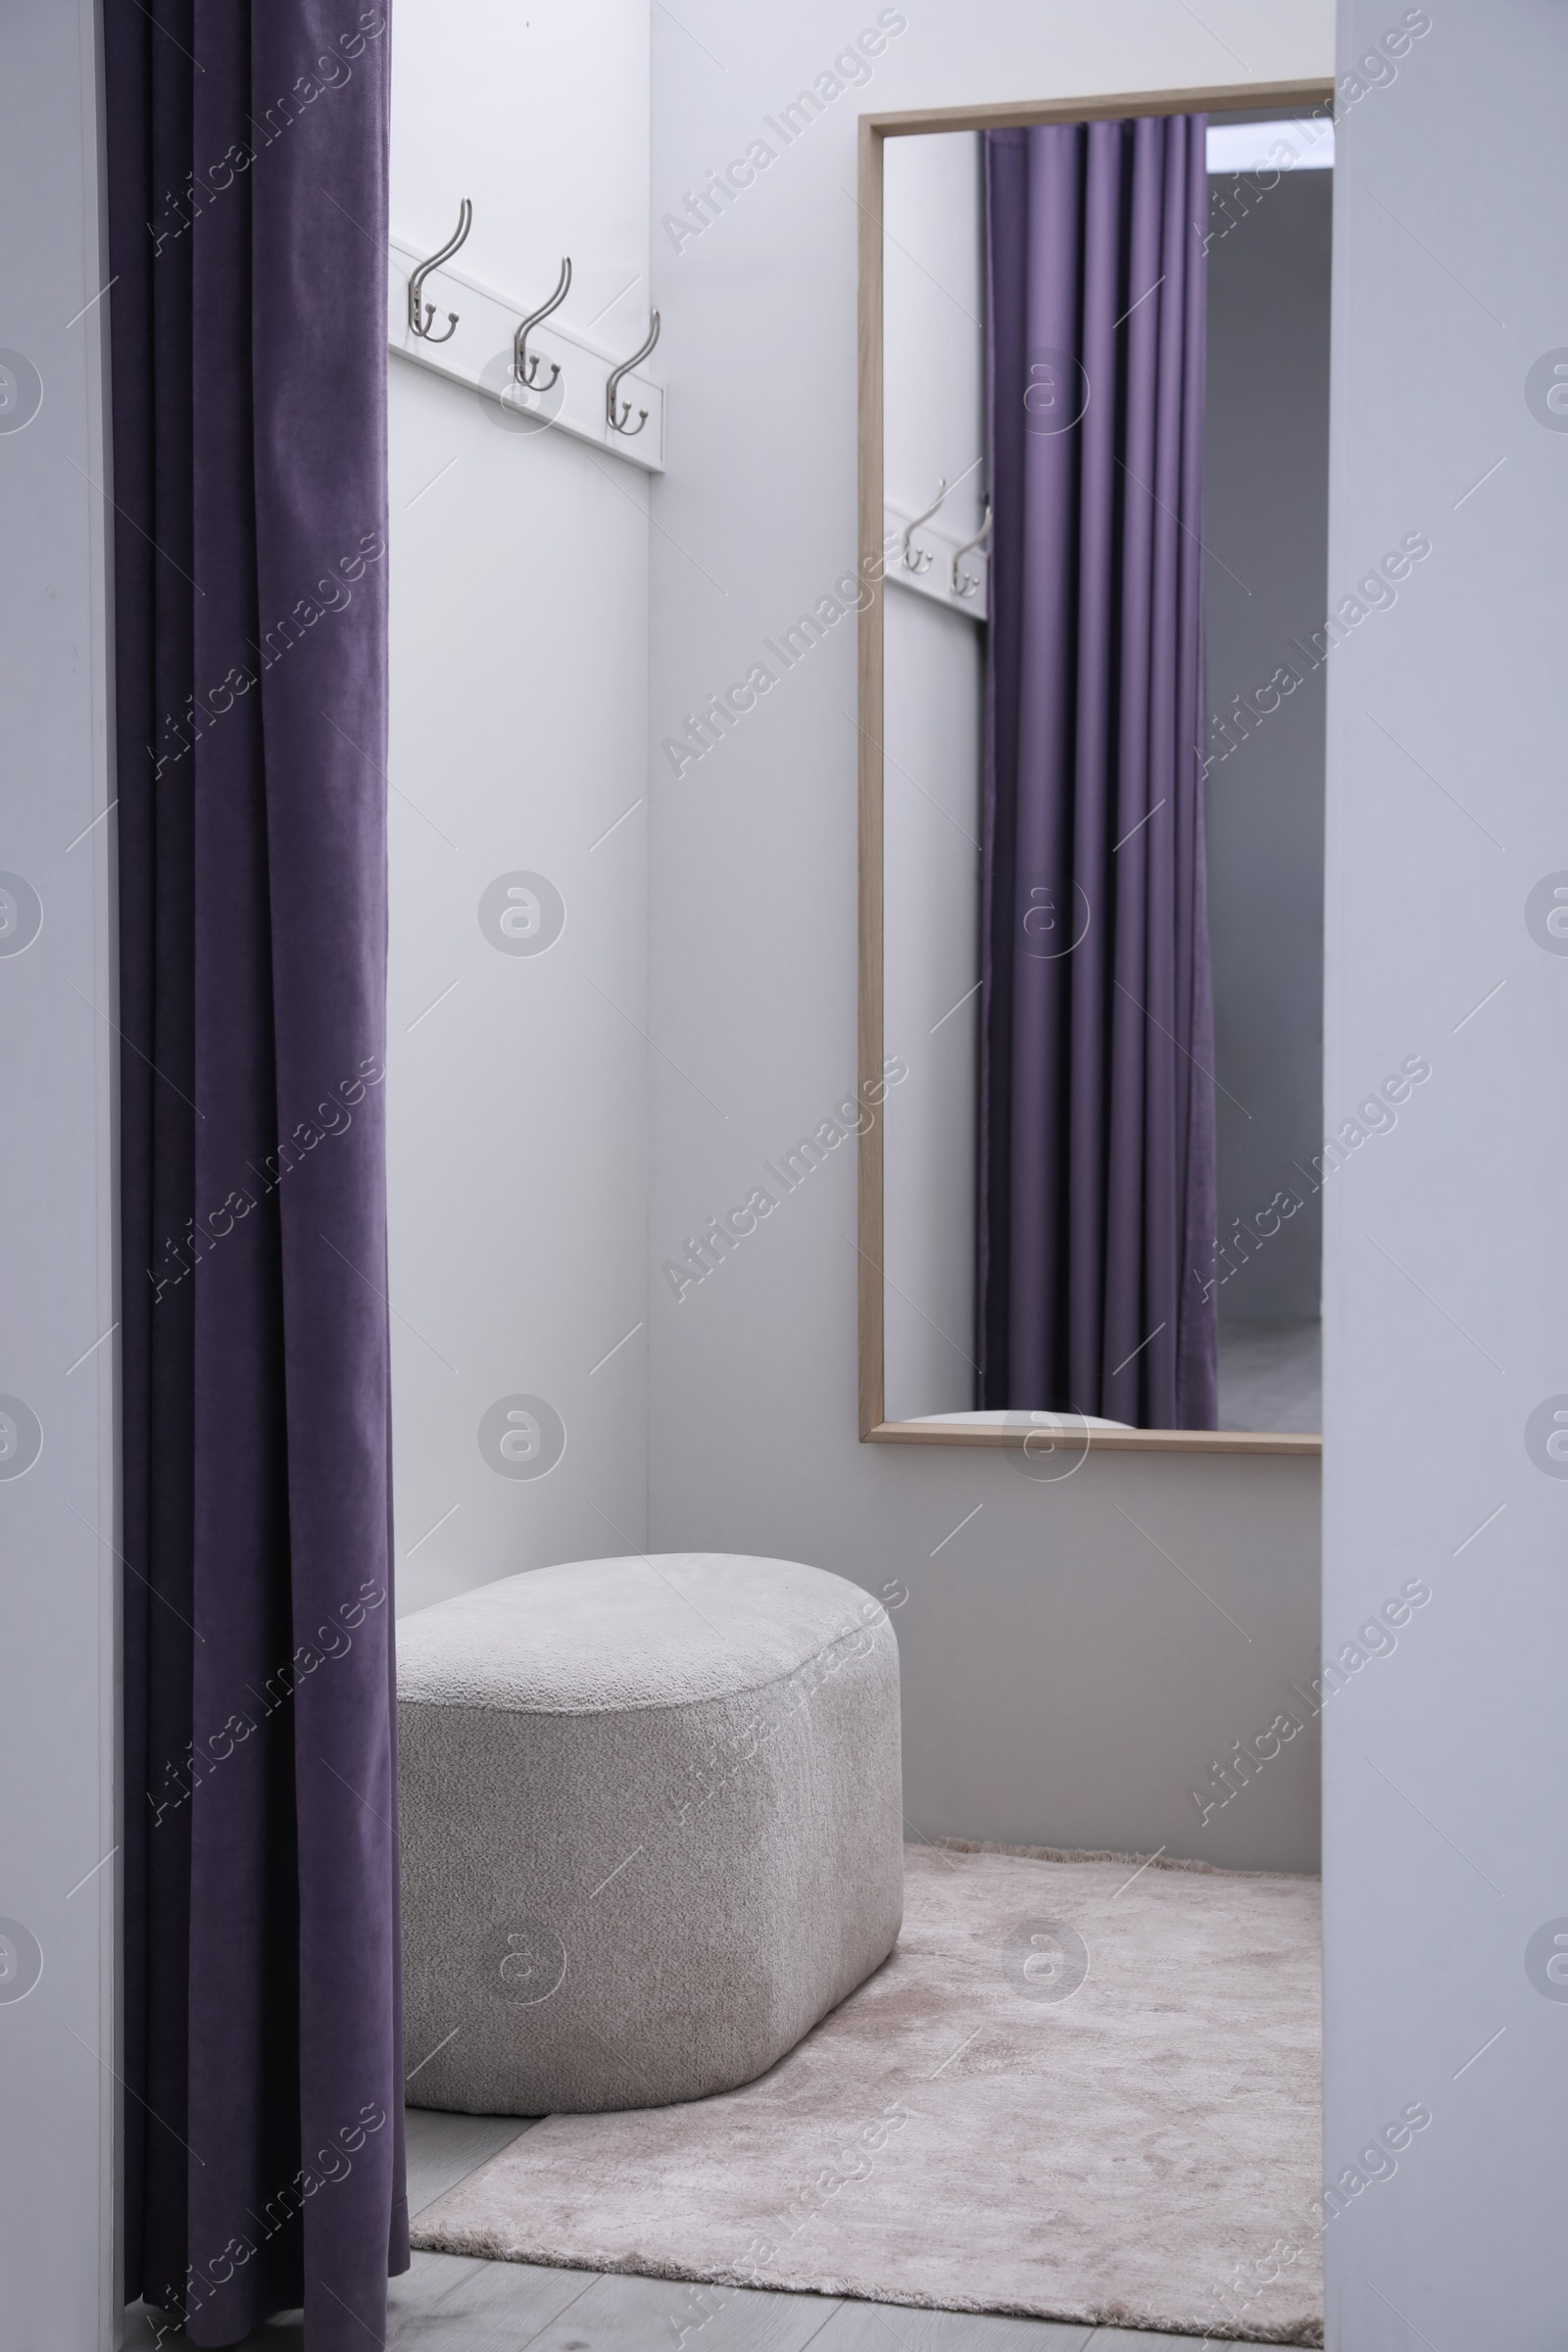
column 1094, row 448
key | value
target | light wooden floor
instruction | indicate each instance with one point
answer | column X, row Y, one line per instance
column 467, row 2306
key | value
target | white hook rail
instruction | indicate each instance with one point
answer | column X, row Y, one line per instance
column 480, row 352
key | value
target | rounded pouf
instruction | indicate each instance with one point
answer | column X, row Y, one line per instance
column 652, row 1827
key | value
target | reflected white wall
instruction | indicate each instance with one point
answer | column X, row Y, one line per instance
column 934, row 424
column 1265, row 591
column 935, row 671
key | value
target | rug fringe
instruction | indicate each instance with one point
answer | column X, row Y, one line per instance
column 1067, row 1853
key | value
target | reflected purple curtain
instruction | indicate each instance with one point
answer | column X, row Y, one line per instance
column 247, row 157
column 1097, row 1150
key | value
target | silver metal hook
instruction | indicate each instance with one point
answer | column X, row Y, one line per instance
column 618, row 424
column 965, row 583
column 525, row 368
column 422, row 312
column 920, row 560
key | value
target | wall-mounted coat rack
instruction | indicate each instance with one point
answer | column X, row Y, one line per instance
column 421, row 314
column 918, row 554
column 540, row 374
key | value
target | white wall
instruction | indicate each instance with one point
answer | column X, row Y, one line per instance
column 519, row 610
column 57, row 1526
column 1064, row 1680
column 933, row 313
column 1446, row 1764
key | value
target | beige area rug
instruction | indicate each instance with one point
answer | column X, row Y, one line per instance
column 1076, row 2090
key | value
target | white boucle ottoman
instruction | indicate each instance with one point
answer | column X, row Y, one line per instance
column 652, row 1828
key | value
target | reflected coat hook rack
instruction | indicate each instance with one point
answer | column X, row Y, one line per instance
column 965, row 583
column 617, row 424
column 918, row 560
column 525, row 365
column 422, row 312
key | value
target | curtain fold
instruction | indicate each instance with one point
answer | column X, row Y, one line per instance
column 1097, row 1119
column 247, row 155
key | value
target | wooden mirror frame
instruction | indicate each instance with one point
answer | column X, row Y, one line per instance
column 1284, row 97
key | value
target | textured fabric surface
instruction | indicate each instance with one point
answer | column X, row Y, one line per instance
column 1073, row 2092
column 651, row 1827
column 625, row 1633
column 1096, row 1118
column 248, row 221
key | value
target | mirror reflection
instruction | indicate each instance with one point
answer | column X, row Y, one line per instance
column 1104, row 492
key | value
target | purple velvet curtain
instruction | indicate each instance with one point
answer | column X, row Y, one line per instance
column 247, row 146
column 1096, row 1138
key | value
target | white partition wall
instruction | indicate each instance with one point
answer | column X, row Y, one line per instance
column 516, row 1101
column 1446, row 1760
column 56, row 1276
